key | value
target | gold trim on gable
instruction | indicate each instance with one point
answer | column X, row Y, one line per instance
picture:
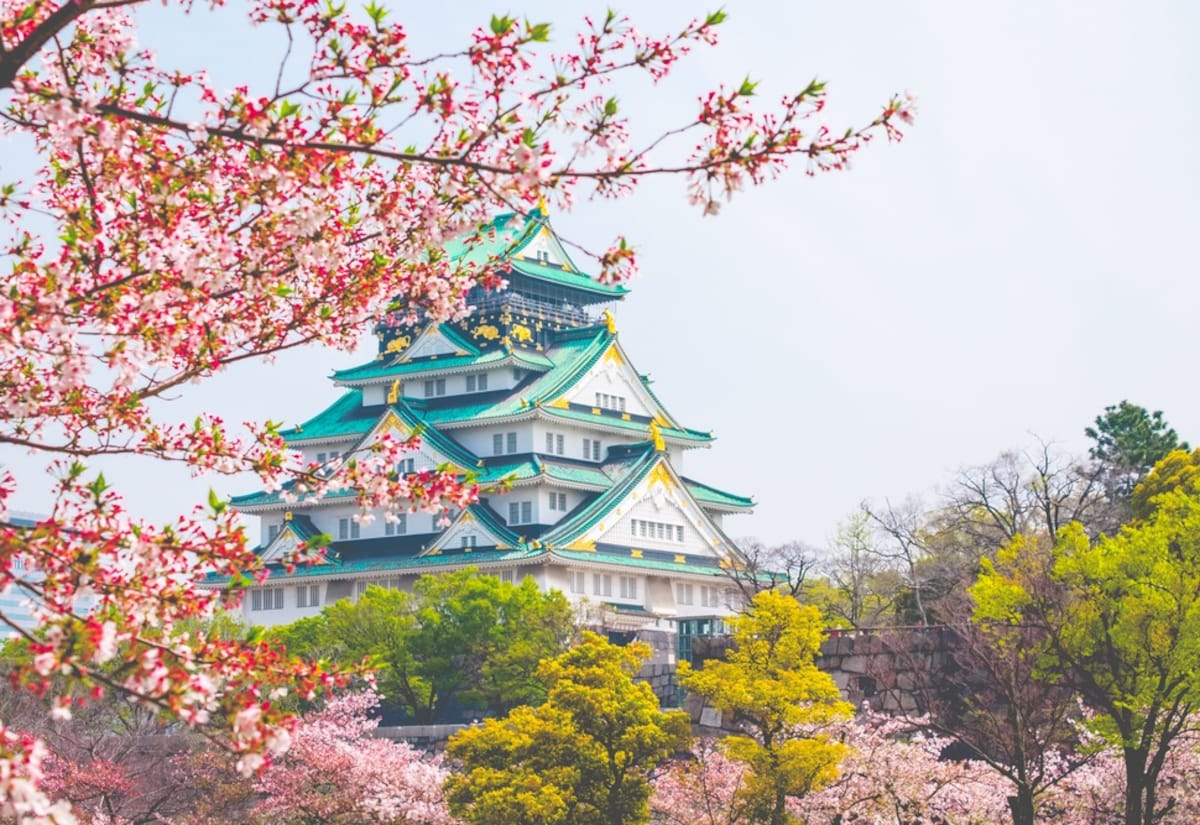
column 584, row 546
column 635, row 554
column 662, row 475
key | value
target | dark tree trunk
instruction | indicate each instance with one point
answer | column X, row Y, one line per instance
column 1021, row 807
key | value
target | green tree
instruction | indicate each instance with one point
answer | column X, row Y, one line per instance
column 1121, row 616
column 1179, row 470
column 1129, row 440
column 583, row 757
column 457, row 637
column 770, row 685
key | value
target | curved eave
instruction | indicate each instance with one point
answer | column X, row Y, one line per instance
column 376, row 373
column 712, row 498
column 270, row 502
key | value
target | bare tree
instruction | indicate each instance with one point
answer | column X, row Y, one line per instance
column 1028, row 492
column 784, row 567
column 904, row 541
column 865, row 585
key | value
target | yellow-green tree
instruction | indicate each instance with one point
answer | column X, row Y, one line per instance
column 583, row 757
column 1121, row 617
column 770, row 685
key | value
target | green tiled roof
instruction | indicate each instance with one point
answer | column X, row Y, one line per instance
column 345, row 417
column 706, row 494
column 263, row 498
column 539, row 466
column 503, row 239
column 559, row 276
column 576, row 414
column 384, row 370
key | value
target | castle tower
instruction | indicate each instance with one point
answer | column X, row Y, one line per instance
column 579, row 463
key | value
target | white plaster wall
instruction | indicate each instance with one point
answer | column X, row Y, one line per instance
column 613, row 378
column 479, row 439
column 288, row 614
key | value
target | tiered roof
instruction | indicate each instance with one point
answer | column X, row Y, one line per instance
column 539, row 327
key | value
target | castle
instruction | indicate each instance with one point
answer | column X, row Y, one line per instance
column 579, row 463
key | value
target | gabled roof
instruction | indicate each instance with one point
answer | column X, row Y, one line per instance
column 437, row 441
column 636, row 466
column 584, row 528
column 296, row 531
column 476, row 517
column 503, row 239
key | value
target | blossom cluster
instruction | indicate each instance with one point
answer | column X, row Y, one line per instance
column 170, row 229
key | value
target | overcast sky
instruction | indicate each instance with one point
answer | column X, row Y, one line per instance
column 1024, row 258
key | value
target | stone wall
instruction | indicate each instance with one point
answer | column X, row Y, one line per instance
column 869, row 667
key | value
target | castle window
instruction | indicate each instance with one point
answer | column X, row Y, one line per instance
column 591, row 449
column 272, row 532
column 601, row 584
column 610, row 402
column 406, row 466
column 266, row 598
column 396, row 528
column 578, row 580
column 684, row 593
column 348, row 528
column 507, row 576
column 710, row 596
column 477, row 382
column 520, row 512
column 308, row 595
column 628, row 587
column 434, row 387
column 658, row 530
column 558, row 501
column 503, row 443
column 555, row 443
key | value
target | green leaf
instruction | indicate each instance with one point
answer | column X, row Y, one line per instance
column 610, row 107
column 539, row 32
column 215, row 503
column 747, row 88
column 376, row 12
column 501, row 25
column 716, row 18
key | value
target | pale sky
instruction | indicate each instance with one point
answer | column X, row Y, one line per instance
column 1020, row 261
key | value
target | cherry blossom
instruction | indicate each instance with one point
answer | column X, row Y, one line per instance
column 170, row 229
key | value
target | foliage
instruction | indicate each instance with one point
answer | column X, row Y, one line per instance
column 170, row 228
column 1178, row 470
column 457, row 637
column 1120, row 615
column 583, row 757
column 1129, row 441
column 770, row 686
